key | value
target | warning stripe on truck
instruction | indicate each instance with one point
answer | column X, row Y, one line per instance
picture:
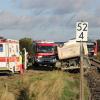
column 9, row 59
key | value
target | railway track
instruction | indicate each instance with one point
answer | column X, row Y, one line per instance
column 93, row 79
column 96, row 63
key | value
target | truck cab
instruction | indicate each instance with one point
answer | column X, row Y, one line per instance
column 44, row 53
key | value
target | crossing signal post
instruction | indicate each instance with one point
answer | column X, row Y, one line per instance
column 81, row 36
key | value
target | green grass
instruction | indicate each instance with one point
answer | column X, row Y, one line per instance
column 71, row 88
column 53, row 85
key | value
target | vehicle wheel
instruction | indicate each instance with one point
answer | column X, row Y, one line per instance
column 13, row 71
column 58, row 65
column 35, row 65
column 54, row 66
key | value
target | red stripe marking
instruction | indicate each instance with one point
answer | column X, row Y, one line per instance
column 9, row 59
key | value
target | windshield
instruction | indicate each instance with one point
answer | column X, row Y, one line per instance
column 90, row 48
column 45, row 49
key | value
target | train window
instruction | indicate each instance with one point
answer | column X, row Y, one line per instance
column 1, row 48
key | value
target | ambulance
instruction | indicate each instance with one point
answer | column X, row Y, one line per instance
column 10, row 56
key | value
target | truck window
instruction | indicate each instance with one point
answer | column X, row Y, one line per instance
column 1, row 48
column 45, row 49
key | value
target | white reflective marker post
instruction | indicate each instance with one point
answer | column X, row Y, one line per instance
column 25, row 58
column 81, row 36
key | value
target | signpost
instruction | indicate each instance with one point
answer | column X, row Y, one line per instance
column 81, row 31
column 81, row 36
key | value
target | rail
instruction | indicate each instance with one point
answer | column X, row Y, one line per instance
column 95, row 62
column 93, row 79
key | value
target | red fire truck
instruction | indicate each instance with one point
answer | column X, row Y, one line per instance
column 44, row 53
column 97, row 47
column 91, row 48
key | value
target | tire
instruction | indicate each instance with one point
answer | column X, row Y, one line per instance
column 58, row 64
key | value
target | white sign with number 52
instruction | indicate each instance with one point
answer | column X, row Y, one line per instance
column 82, row 31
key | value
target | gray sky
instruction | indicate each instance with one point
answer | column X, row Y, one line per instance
column 48, row 19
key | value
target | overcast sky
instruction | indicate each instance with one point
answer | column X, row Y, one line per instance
column 48, row 19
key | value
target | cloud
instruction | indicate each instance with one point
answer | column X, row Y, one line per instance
column 49, row 16
column 44, row 22
column 90, row 17
column 9, row 21
column 57, row 6
column 55, row 12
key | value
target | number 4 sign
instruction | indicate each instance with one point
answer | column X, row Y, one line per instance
column 81, row 31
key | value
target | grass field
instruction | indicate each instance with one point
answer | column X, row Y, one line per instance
column 41, row 85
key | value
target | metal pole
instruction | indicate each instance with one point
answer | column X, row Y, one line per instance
column 81, row 73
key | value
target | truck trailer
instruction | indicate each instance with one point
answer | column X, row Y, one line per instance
column 69, row 54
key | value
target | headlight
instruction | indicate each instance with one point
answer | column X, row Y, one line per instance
column 39, row 56
column 54, row 60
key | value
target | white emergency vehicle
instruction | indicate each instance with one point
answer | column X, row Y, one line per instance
column 9, row 55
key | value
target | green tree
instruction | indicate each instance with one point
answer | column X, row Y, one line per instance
column 27, row 44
